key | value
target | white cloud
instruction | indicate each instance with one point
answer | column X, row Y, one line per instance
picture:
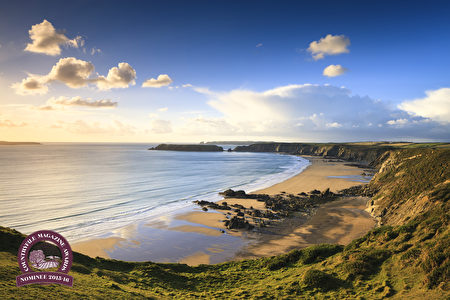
column 71, row 71
column 436, row 105
column 329, row 45
column 76, row 73
column 398, row 122
column 163, row 109
column 259, row 45
column 31, row 85
column 203, row 90
column 334, row 70
column 61, row 102
column 161, row 126
column 335, row 125
column 308, row 112
column 118, row 77
column 162, row 80
column 186, row 85
column 45, row 39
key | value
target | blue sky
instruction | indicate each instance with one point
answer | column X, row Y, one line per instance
column 232, row 53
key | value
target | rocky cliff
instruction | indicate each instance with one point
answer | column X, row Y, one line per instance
column 409, row 183
column 368, row 155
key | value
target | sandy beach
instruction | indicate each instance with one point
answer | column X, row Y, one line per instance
column 338, row 222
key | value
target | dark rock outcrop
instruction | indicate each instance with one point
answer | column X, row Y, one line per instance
column 238, row 223
column 193, row 148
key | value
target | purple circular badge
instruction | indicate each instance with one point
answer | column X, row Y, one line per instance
column 40, row 261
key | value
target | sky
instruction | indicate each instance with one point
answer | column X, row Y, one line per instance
column 191, row 71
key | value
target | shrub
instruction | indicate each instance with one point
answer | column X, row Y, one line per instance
column 436, row 263
column 284, row 260
column 320, row 252
column 316, row 279
column 80, row 269
column 411, row 254
column 307, row 256
column 365, row 262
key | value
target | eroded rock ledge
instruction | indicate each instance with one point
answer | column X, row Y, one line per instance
column 277, row 207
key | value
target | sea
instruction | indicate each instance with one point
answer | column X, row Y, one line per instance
column 84, row 190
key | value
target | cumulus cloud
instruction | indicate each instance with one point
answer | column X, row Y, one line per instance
column 31, row 85
column 334, row 70
column 76, row 73
column 186, row 85
column 310, row 112
column 118, row 77
column 162, row 80
column 161, row 126
column 436, row 105
column 71, row 71
column 163, row 109
column 329, row 45
column 60, row 102
column 45, row 39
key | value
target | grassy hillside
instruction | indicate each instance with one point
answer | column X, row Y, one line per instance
column 408, row 258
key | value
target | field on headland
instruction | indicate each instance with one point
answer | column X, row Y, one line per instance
column 407, row 257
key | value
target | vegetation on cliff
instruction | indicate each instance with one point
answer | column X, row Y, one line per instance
column 406, row 258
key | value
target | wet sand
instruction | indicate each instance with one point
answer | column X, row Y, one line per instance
column 97, row 247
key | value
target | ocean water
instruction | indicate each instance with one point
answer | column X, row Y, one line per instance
column 87, row 190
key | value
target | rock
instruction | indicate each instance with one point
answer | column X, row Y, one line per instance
column 238, row 206
column 238, row 223
column 196, row 148
column 212, row 205
column 204, row 209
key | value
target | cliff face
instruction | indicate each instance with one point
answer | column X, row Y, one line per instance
column 410, row 183
column 367, row 155
column 194, row 148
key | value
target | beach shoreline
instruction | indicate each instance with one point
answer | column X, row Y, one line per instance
column 338, row 222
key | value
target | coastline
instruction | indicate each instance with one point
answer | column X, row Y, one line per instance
column 338, row 222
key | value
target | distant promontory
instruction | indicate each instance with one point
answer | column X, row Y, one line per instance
column 3, row 143
column 193, row 148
